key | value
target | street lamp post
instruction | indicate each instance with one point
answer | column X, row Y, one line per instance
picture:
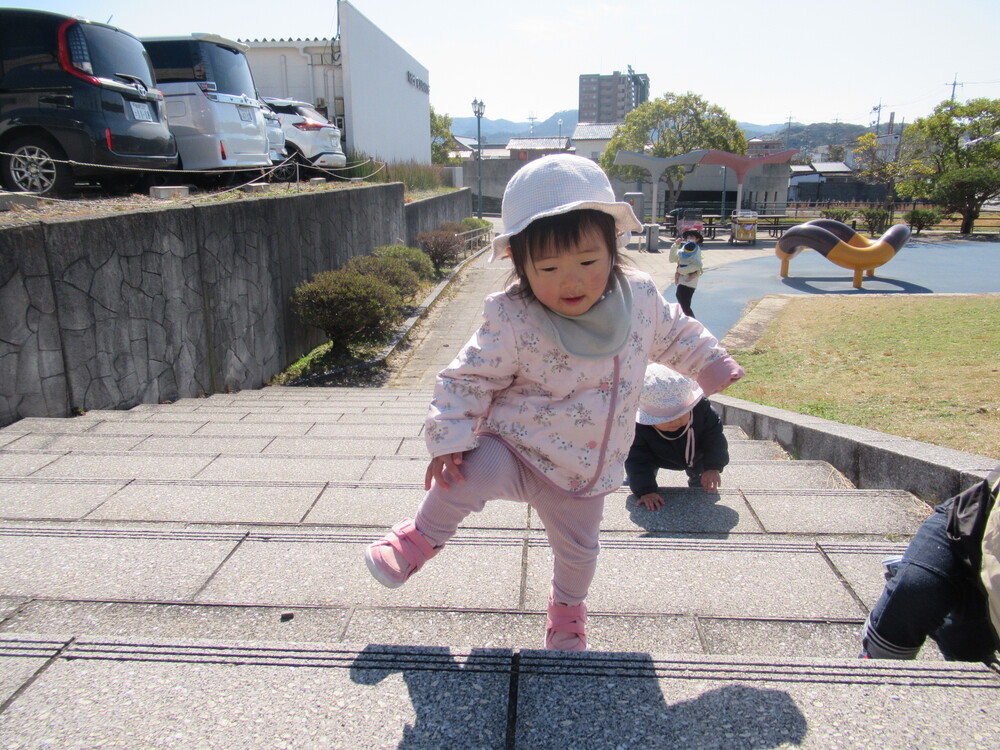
column 478, row 108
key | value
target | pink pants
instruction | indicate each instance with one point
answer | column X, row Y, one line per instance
column 493, row 471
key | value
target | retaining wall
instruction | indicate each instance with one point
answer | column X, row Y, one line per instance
column 869, row 459
column 142, row 307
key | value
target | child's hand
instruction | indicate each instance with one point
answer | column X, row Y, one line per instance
column 711, row 480
column 443, row 467
column 651, row 501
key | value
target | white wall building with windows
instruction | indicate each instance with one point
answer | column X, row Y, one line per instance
column 370, row 86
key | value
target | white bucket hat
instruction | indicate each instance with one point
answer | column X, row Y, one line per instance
column 557, row 184
column 666, row 395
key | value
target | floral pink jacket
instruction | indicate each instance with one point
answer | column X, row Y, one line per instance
column 569, row 418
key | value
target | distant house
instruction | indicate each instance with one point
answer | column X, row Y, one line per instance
column 829, row 181
column 764, row 147
column 592, row 138
column 527, row 149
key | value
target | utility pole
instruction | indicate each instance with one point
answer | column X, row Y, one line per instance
column 878, row 119
column 955, row 82
column 531, row 119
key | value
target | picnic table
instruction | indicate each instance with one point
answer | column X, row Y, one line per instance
column 772, row 223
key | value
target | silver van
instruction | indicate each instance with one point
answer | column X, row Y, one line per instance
column 211, row 102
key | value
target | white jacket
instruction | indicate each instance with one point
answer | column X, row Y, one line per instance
column 570, row 418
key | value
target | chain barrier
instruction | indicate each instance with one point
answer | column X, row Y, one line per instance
column 258, row 173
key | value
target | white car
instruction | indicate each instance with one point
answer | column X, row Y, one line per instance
column 275, row 135
column 212, row 105
column 311, row 139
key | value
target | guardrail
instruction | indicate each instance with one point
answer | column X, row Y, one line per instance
column 475, row 240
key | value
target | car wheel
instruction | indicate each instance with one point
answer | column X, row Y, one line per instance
column 288, row 171
column 36, row 164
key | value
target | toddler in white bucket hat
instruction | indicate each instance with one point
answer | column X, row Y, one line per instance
column 539, row 405
column 558, row 184
column 677, row 428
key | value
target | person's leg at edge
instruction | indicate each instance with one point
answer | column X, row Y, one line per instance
column 927, row 585
column 685, row 294
column 490, row 471
column 573, row 529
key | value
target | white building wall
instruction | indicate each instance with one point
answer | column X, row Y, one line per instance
column 304, row 70
column 386, row 93
column 381, row 92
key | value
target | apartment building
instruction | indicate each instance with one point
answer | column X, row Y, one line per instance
column 608, row 98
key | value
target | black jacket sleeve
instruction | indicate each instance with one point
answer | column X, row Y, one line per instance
column 641, row 465
column 711, row 446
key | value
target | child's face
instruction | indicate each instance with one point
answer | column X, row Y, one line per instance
column 674, row 424
column 574, row 279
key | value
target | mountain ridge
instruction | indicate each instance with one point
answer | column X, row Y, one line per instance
column 794, row 134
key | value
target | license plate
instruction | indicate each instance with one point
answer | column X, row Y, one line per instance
column 246, row 114
column 142, row 111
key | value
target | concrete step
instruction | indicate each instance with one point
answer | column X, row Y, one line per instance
column 214, row 438
column 209, row 552
column 755, row 575
column 136, row 692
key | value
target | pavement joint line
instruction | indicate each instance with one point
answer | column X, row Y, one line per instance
column 843, row 580
column 26, row 684
column 529, row 663
column 218, row 568
column 510, row 740
column 409, row 609
column 312, row 505
column 753, row 513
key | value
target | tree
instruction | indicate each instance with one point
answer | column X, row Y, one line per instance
column 964, row 191
column 672, row 125
column 959, row 146
column 835, row 152
column 883, row 163
column 441, row 139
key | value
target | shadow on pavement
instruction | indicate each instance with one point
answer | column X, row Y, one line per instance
column 809, row 285
column 684, row 512
column 545, row 700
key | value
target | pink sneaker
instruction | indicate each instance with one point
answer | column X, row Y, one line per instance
column 399, row 554
column 565, row 627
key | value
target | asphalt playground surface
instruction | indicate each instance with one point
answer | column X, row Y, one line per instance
column 921, row 267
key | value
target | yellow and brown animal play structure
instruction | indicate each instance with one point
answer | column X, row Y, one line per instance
column 842, row 245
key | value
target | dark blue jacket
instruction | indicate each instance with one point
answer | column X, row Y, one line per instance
column 650, row 451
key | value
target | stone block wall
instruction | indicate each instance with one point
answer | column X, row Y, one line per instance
column 109, row 312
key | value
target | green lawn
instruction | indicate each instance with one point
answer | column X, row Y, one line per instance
column 926, row 368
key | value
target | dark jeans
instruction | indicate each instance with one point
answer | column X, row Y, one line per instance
column 930, row 594
column 684, row 295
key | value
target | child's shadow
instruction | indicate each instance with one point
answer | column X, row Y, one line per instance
column 600, row 700
column 685, row 511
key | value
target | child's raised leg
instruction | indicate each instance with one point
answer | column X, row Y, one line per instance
column 490, row 471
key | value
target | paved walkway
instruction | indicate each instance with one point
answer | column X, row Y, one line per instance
column 190, row 575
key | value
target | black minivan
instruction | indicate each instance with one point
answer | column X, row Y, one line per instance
column 78, row 101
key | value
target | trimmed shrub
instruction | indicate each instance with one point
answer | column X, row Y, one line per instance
column 349, row 307
column 415, row 258
column 471, row 222
column 922, row 218
column 394, row 271
column 441, row 246
column 876, row 219
column 843, row 215
column 455, row 227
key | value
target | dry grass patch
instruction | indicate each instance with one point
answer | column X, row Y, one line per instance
column 925, row 368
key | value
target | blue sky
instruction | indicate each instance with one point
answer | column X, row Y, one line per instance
column 763, row 62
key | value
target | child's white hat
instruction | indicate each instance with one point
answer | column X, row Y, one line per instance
column 666, row 395
column 557, row 184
